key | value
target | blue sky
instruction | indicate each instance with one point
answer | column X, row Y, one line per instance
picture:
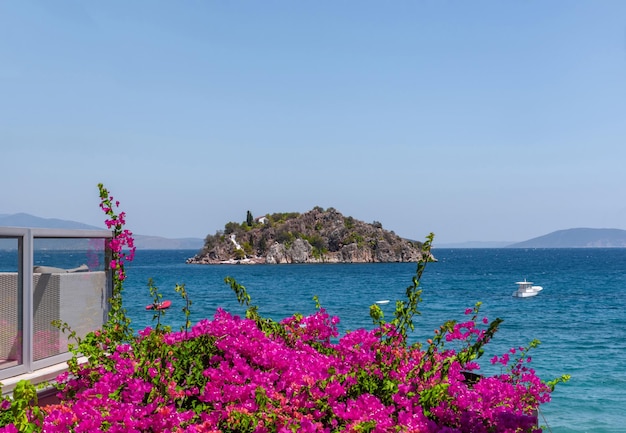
column 482, row 120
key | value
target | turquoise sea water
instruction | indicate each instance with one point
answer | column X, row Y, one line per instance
column 579, row 316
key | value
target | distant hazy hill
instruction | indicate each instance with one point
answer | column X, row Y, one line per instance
column 577, row 238
column 141, row 241
column 473, row 244
column 27, row 220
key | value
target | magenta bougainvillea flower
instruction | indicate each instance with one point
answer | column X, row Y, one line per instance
column 233, row 374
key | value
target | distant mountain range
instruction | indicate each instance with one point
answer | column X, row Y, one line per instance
column 577, row 238
column 569, row 238
column 473, row 244
column 143, row 242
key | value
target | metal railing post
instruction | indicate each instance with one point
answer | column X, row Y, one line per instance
column 27, row 299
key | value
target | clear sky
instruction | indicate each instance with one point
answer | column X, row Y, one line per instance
column 476, row 120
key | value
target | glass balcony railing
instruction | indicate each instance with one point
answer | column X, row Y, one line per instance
column 49, row 276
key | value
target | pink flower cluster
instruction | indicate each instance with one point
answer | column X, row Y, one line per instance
column 228, row 375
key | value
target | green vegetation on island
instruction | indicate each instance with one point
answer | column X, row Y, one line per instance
column 317, row 236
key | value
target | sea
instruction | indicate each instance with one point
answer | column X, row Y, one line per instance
column 579, row 316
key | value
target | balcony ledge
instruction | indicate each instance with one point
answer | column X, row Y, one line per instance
column 38, row 377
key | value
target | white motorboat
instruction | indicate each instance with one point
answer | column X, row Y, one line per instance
column 525, row 289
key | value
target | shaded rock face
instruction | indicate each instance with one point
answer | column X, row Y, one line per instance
column 317, row 236
column 352, row 254
column 300, row 252
column 276, row 254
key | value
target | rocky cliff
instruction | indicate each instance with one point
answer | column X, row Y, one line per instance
column 317, row 236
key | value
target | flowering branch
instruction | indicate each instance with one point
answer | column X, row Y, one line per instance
column 122, row 248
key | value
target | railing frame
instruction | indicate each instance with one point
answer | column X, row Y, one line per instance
column 25, row 250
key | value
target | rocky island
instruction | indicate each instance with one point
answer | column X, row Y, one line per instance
column 317, row 236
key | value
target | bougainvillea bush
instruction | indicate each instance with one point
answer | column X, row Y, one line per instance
column 252, row 374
